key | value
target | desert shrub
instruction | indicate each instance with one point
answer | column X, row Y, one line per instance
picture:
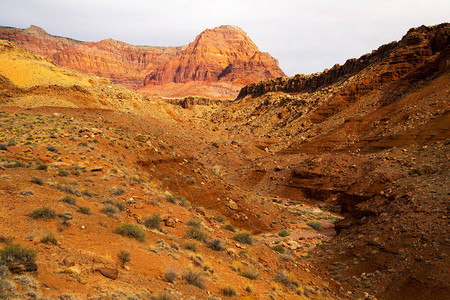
column 42, row 167
column 314, row 224
column 69, row 190
column 37, row 180
column 190, row 246
column 26, row 193
column 84, row 210
column 52, row 148
column 219, row 218
column 194, row 223
column 43, row 213
column 16, row 252
column 216, row 244
column 131, row 230
column 109, row 210
column 279, row 249
column 285, row 278
column 117, row 191
column 244, row 237
column 124, row 256
column 162, row 296
column 197, row 233
column 195, row 278
column 153, row 221
column 284, row 233
column 229, row 227
column 250, row 273
column 170, row 275
column 49, row 238
column 3, row 147
column 63, row 173
column 334, row 219
column 228, row 291
column 69, row 200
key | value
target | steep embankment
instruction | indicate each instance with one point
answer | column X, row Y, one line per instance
column 368, row 139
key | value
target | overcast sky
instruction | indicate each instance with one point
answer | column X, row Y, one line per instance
column 305, row 36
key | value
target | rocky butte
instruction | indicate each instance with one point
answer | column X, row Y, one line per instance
column 217, row 64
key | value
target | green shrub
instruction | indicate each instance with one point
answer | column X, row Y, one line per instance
column 37, row 180
column 131, row 230
column 190, row 246
column 17, row 253
column 229, row 227
column 84, row 210
column 69, row 200
column 279, row 249
column 153, row 221
column 284, row 233
column 195, row 278
column 314, row 224
column 43, row 213
column 124, row 256
column 197, row 233
column 244, row 237
column 49, row 238
column 250, row 273
column 42, row 167
column 219, row 218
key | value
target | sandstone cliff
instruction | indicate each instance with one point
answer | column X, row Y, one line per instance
column 224, row 54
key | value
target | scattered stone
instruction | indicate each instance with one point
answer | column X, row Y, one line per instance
column 232, row 205
column 109, row 272
column 170, row 222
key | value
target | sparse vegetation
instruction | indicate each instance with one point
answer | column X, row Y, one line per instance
column 109, row 210
column 17, row 253
column 190, row 246
column 124, row 257
column 45, row 213
column 49, row 238
column 216, row 244
column 153, row 221
column 84, row 210
column 37, row 180
column 279, row 248
column 195, row 278
column 194, row 223
column 117, row 191
column 244, row 237
column 69, row 200
column 162, row 296
column 285, row 278
column 219, row 218
column 197, row 233
column 229, row 227
column 131, row 230
column 284, row 233
column 170, row 275
column 315, row 224
column 228, row 291
column 250, row 273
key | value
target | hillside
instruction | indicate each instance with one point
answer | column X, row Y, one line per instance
column 369, row 140
column 325, row 186
column 226, row 52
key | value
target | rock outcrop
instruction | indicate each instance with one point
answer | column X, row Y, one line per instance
column 388, row 63
column 224, row 53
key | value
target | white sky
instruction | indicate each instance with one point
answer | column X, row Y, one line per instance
column 305, row 36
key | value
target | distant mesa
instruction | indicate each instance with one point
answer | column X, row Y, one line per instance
column 219, row 61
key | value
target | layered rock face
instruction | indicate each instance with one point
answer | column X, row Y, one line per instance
column 123, row 63
column 224, row 54
column 388, row 63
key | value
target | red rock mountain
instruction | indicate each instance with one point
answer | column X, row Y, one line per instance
column 224, row 55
